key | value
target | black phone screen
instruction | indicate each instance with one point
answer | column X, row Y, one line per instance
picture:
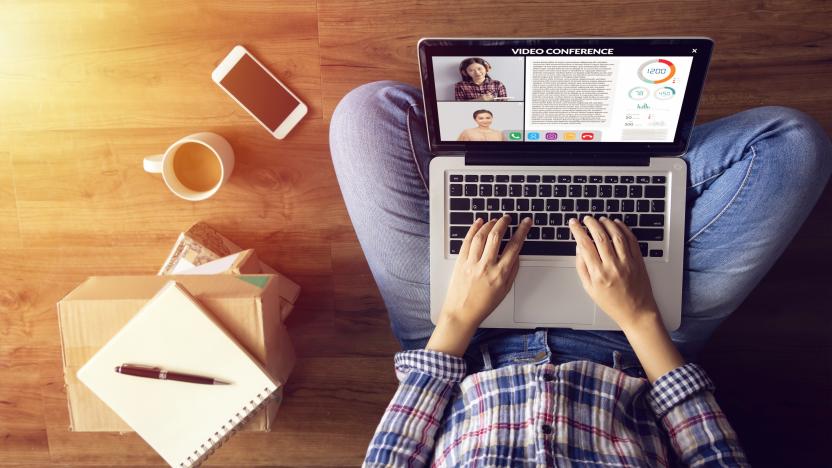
column 259, row 92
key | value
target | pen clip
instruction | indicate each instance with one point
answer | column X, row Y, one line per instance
column 140, row 366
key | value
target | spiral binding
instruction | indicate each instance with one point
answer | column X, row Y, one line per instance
column 227, row 430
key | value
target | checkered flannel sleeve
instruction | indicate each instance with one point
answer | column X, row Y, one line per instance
column 501, row 91
column 406, row 434
column 699, row 431
column 459, row 92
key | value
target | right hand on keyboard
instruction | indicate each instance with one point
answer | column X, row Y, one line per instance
column 612, row 270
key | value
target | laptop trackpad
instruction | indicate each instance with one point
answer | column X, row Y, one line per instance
column 551, row 295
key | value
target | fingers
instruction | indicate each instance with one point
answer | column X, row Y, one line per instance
column 492, row 244
column 583, row 273
column 511, row 266
column 586, row 246
column 478, row 242
column 619, row 240
column 515, row 267
column 602, row 240
column 513, row 247
column 466, row 243
column 632, row 240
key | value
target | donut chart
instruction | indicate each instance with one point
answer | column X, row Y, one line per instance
column 664, row 93
column 639, row 93
column 656, row 71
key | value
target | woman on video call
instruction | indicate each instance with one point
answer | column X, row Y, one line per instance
column 483, row 130
column 476, row 85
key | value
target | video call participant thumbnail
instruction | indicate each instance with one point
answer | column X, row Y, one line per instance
column 483, row 130
column 476, row 85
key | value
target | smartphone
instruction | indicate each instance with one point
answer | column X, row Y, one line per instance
column 260, row 93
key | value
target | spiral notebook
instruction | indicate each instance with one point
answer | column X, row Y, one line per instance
column 184, row 422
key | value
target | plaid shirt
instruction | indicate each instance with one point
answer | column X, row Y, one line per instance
column 575, row 413
column 468, row 90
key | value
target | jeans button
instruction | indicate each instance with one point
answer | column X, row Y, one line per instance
column 547, row 429
column 548, row 377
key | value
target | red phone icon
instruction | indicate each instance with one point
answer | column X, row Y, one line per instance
column 587, row 136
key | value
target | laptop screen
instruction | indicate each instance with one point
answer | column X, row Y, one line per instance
column 583, row 95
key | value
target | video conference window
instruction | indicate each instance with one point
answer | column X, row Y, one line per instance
column 479, row 98
column 560, row 98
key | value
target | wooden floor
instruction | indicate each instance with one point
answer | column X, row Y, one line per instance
column 87, row 89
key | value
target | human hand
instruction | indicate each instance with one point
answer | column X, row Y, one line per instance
column 612, row 271
column 488, row 96
column 480, row 281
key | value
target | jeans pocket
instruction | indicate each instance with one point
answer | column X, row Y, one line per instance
column 634, row 371
column 628, row 363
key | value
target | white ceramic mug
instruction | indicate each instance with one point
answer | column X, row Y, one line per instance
column 164, row 164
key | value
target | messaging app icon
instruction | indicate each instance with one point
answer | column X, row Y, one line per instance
column 570, row 136
column 551, row 135
column 515, row 136
column 533, row 136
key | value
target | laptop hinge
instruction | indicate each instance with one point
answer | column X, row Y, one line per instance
column 525, row 159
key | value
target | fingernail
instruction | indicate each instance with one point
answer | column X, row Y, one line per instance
column 572, row 220
column 602, row 218
column 527, row 220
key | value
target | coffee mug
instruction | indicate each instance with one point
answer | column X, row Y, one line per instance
column 194, row 167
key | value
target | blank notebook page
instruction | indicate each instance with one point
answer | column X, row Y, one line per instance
column 178, row 419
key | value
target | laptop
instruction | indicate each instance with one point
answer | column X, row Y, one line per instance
column 556, row 129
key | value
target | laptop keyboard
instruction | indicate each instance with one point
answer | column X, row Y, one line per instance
column 551, row 200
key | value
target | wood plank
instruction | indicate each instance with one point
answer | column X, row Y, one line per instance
column 33, row 335
column 124, row 65
column 90, row 88
column 22, row 428
column 754, row 42
column 9, row 224
column 359, row 308
column 316, row 413
column 93, row 188
column 35, row 279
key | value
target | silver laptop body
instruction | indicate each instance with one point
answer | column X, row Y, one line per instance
column 547, row 291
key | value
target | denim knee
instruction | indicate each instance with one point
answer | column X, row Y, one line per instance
column 363, row 100
column 365, row 110
column 813, row 150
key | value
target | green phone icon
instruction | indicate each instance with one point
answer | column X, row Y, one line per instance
column 514, row 136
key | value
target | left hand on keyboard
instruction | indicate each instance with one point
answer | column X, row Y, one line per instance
column 481, row 280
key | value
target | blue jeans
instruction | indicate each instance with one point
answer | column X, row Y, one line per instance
column 753, row 179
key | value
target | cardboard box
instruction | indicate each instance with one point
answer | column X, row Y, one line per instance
column 201, row 244
column 247, row 306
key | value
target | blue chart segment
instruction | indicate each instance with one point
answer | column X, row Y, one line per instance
column 665, row 92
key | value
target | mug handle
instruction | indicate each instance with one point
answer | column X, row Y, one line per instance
column 153, row 164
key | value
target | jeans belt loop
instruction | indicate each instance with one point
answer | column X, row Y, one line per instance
column 616, row 360
column 486, row 357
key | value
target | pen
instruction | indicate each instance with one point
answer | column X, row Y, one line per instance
column 161, row 374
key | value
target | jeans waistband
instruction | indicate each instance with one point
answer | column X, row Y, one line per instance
column 556, row 346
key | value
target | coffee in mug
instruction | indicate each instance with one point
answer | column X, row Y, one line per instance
column 195, row 167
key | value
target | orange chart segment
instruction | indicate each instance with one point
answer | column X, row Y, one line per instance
column 656, row 71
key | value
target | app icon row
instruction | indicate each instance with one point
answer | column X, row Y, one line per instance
column 576, row 135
